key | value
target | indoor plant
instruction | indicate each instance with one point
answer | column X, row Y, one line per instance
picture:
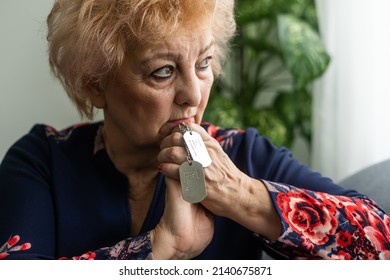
column 275, row 57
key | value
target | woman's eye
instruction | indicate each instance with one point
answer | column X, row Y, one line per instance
column 163, row 72
column 204, row 64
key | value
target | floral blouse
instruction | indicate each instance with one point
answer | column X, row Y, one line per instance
column 62, row 198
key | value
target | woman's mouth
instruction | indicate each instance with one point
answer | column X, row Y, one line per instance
column 182, row 120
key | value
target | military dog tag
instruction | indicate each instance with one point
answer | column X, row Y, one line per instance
column 197, row 148
column 192, row 181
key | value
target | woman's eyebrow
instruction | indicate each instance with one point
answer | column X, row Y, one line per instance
column 172, row 55
column 161, row 55
column 205, row 49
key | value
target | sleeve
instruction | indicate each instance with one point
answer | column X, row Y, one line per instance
column 136, row 248
column 320, row 219
column 318, row 225
column 27, row 212
column 27, row 228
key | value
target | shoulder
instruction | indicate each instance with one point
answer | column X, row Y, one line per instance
column 69, row 133
column 42, row 139
column 60, row 135
column 225, row 136
column 248, row 148
column 232, row 137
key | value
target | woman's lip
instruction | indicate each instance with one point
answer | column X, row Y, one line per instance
column 185, row 120
column 167, row 128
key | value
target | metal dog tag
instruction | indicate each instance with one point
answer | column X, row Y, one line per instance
column 192, row 181
column 197, row 148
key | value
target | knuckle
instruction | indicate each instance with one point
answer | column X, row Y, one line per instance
column 175, row 155
column 177, row 137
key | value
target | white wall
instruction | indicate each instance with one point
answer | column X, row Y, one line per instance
column 351, row 101
column 29, row 94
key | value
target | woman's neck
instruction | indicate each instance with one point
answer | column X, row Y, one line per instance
column 129, row 159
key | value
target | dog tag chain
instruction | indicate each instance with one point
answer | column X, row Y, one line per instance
column 195, row 145
column 191, row 172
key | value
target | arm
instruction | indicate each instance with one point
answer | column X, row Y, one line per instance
column 26, row 208
column 137, row 248
column 315, row 227
column 316, row 215
column 320, row 225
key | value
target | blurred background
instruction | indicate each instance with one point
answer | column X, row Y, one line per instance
column 28, row 92
column 311, row 75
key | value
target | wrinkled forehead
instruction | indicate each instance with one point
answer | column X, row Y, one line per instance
column 190, row 36
column 180, row 46
column 187, row 38
column 188, row 18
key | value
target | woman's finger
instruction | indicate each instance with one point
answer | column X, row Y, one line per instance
column 175, row 154
column 169, row 170
column 174, row 139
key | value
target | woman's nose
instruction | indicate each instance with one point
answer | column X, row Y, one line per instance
column 188, row 89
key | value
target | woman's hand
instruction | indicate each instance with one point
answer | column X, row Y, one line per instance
column 184, row 230
column 230, row 192
column 223, row 178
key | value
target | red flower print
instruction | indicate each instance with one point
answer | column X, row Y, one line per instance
column 332, row 202
column 13, row 240
column 385, row 255
column 307, row 243
column 91, row 255
column 305, row 215
column 357, row 211
column 86, row 256
column 342, row 255
column 212, row 130
column 3, row 255
column 226, row 140
column 343, row 238
column 381, row 242
column 9, row 246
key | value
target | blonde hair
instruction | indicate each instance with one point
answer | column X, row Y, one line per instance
column 88, row 39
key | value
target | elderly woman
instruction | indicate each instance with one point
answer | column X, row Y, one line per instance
column 152, row 181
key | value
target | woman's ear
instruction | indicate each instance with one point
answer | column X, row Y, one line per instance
column 97, row 97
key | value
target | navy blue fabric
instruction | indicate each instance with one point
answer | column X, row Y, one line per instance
column 65, row 200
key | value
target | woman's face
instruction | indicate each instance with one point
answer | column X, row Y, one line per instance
column 159, row 86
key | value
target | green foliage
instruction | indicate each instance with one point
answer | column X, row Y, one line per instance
column 275, row 57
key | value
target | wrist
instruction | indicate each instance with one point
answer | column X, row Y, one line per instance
column 162, row 245
column 159, row 252
column 256, row 211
